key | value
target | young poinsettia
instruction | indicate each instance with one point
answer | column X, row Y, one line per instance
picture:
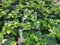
column 30, row 22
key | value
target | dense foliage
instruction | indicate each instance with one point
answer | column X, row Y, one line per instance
column 39, row 21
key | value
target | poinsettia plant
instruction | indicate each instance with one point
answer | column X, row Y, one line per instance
column 36, row 21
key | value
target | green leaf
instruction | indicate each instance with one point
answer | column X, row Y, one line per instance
column 1, row 36
column 10, row 41
column 43, row 41
column 50, row 41
column 39, row 34
column 33, row 37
